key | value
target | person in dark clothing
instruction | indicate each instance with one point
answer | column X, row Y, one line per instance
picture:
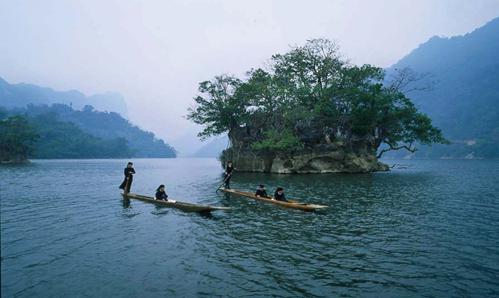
column 127, row 182
column 279, row 194
column 228, row 174
column 261, row 192
column 161, row 194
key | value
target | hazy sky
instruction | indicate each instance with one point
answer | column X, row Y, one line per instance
column 156, row 52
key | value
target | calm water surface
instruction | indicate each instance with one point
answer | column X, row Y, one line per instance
column 431, row 230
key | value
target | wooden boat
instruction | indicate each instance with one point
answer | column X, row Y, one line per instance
column 188, row 207
column 288, row 204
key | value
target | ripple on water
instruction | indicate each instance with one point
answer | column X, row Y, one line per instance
column 430, row 230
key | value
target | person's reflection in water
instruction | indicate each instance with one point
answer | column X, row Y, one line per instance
column 126, row 203
column 159, row 210
column 206, row 215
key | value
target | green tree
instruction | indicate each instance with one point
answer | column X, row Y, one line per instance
column 311, row 88
column 218, row 108
column 17, row 138
column 278, row 141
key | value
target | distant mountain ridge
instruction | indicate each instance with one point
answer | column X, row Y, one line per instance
column 103, row 125
column 20, row 95
column 464, row 100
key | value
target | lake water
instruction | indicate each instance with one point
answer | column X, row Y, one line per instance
column 431, row 229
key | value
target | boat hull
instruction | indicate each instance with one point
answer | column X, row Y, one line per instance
column 289, row 204
column 188, row 207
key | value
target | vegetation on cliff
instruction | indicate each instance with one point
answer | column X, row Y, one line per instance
column 17, row 138
column 310, row 99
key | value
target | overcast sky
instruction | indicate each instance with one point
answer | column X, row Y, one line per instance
column 156, row 52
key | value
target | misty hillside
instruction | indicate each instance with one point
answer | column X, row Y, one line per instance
column 105, row 126
column 464, row 99
column 213, row 148
column 19, row 95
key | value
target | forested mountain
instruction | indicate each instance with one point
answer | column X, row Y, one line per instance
column 59, row 139
column 45, row 136
column 20, row 95
column 68, row 133
column 463, row 100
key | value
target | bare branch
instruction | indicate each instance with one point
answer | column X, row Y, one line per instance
column 409, row 148
column 407, row 80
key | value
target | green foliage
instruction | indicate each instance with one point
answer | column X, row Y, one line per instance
column 3, row 113
column 309, row 85
column 281, row 141
column 108, row 126
column 17, row 138
column 65, row 140
column 218, row 107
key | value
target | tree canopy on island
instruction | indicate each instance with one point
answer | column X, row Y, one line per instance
column 313, row 86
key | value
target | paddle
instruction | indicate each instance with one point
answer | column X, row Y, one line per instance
column 125, row 191
column 127, row 184
column 218, row 188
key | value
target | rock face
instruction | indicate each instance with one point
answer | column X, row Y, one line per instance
column 336, row 154
column 320, row 162
column 323, row 151
column 327, row 163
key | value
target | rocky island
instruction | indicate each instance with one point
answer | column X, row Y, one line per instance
column 312, row 112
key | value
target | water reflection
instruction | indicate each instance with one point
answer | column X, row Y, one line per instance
column 429, row 230
column 126, row 202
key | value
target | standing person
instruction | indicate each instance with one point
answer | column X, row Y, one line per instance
column 261, row 192
column 279, row 194
column 228, row 174
column 127, row 182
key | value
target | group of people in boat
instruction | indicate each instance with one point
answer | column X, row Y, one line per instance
column 129, row 171
column 260, row 192
column 278, row 194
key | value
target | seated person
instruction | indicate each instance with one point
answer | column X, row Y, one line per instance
column 261, row 192
column 279, row 194
column 161, row 194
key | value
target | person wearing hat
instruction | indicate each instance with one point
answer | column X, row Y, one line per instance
column 261, row 192
column 161, row 194
column 127, row 182
column 279, row 194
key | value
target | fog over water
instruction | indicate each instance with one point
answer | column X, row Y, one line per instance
column 156, row 52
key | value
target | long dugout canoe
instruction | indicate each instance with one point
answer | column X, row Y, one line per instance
column 188, row 207
column 289, row 204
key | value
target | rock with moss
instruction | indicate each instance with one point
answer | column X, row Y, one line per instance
column 341, row 156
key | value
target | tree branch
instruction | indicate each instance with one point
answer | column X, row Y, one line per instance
column 407, row 81
column 394, row 148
